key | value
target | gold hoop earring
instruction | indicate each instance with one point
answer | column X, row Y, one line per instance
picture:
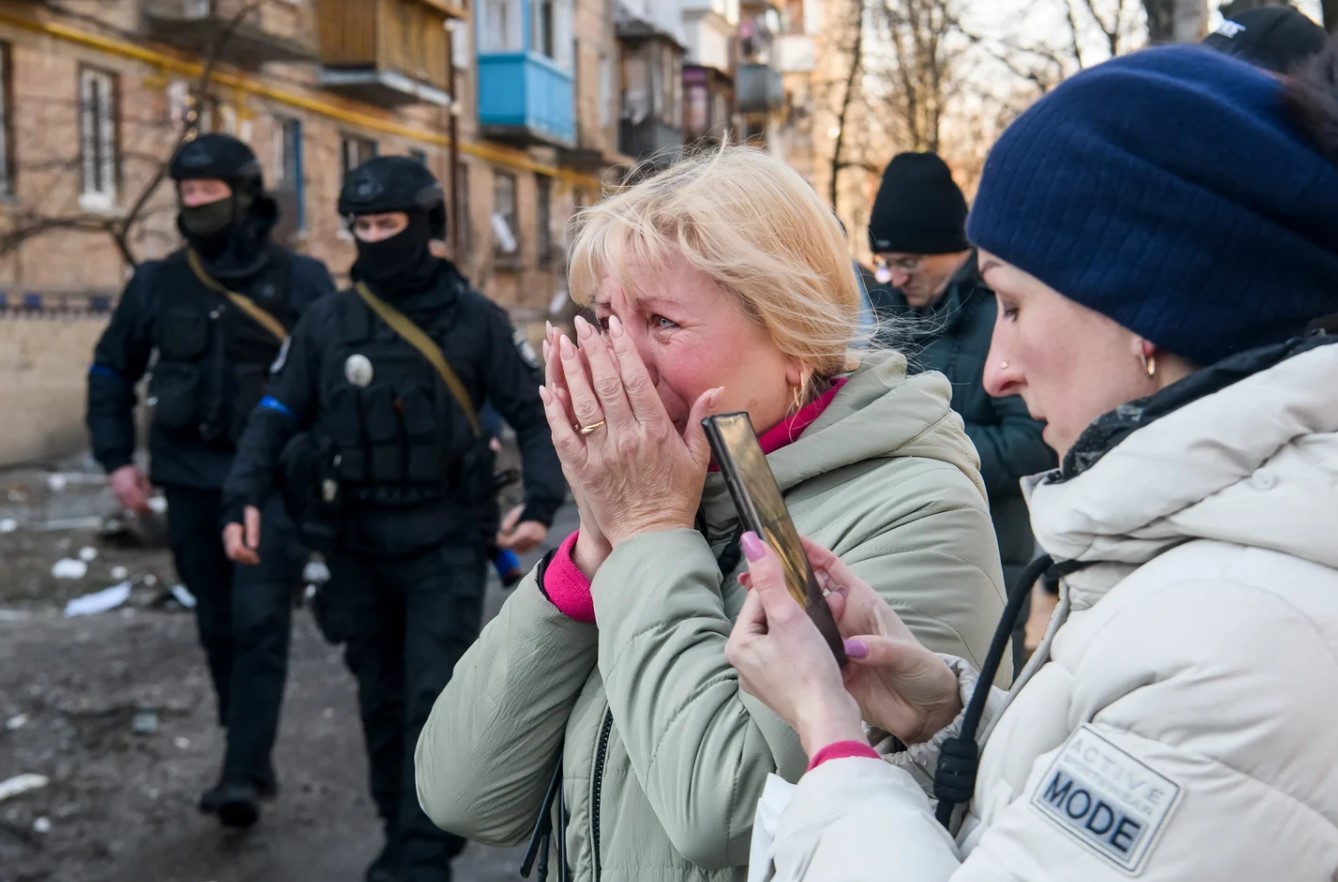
column 795, row 397
column 1149, row 365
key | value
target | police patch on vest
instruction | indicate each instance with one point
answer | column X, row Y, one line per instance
column 358, row 370
column 526, row 350
column 1107, row 799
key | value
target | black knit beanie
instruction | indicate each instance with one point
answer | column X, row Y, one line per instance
column 918, row 209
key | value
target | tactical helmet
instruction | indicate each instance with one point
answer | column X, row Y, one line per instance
column 394, row 183
column 218, row 156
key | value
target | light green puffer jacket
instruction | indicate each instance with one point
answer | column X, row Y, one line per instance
column 664, row 757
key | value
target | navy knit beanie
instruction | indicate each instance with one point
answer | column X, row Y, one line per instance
column 1170, row 191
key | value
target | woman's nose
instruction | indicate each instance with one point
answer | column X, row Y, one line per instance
column 1002, row 376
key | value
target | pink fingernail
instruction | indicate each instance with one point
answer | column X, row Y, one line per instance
column 568, row 350
column 543, row 394
column 856, row 648
column 615, row 326
column 583, row 329
column 753, row 548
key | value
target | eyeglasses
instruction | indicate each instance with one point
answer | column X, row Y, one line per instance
column 903, row 264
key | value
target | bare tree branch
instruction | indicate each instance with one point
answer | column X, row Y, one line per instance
column 122, row 226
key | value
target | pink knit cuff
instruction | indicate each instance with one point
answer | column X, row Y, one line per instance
column 566, row 586
column 842, row 750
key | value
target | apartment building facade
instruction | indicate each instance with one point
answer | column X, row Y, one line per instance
column 525, row 109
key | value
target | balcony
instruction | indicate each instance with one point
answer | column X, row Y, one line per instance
column 387, row 52
column 526, row 99
column 240, row 32
column 757, row 89
column 650, row 139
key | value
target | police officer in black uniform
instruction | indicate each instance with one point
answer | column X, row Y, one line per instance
column 386, row 448
column 216, row 313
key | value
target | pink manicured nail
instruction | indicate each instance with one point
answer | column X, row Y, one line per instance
column 856, row 648
column 615, row 326
column 753, row 549
column 568, row 350
column 543, row 394
column 583, row 329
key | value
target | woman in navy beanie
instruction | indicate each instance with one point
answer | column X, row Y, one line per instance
column 1162, row 235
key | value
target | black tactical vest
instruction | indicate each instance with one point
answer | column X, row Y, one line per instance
column 213, row 360
column 399, row 437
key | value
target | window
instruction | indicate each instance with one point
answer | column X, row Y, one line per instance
column 99, row 163
column 355, row 150
column 459, row 43
column 544, row 221
column 636, row 103
column 545, row 28
column 606, row 89
column 288, row 162
column 460, row 222
column 672, row 83
column 499, row 26
column 720, row 114
column 552, row 37
column 6, row 124
column 504, row 214
column 697, row 113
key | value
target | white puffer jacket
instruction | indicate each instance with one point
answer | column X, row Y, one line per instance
column 1180, row 722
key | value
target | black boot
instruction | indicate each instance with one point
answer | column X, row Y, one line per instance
column 239, row 804
column 268, row 790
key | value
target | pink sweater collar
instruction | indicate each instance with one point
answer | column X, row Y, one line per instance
column 788, row 430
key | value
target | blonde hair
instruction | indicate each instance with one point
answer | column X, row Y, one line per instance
column 751, row 224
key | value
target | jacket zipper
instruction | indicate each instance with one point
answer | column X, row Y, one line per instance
column 597, row 784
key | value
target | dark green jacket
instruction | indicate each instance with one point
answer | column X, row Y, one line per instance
column 953, row 337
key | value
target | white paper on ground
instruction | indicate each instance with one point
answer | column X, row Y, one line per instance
column 69, row 568
column 20, row 784
column 776, row 797
column 99, row 601
column 183, row 596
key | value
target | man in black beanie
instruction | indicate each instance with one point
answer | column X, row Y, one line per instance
column 1275, row 38
column 940, row 312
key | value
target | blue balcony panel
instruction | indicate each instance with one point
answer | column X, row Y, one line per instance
column 525, row 98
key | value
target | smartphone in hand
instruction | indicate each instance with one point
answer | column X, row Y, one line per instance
column 762, row 510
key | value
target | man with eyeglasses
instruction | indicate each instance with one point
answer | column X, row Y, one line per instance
column 933, row 306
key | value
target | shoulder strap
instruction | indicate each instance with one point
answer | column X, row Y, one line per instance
column 241, row 301
column 413, row 335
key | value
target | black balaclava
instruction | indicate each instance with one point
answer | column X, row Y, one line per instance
column 232, row 234
column 401, row 264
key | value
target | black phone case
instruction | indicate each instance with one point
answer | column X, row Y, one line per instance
column 762, row 509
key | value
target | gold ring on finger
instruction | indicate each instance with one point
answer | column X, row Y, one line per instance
column 590, row 429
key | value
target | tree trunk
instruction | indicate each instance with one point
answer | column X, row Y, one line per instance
column 847, row 99
column 1161, row 20
column 1330, row 8
column 1176, row 21
column 1191, row 20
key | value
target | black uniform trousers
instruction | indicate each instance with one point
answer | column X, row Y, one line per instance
column 406, row 622
column 244, row 615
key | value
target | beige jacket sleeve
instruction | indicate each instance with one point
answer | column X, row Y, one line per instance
column 700, row 748
column 485, row 755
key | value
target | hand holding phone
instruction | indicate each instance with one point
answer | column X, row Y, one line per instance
column 762, row 509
